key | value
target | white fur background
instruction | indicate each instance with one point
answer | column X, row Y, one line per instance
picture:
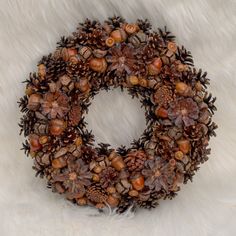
column 206, row 207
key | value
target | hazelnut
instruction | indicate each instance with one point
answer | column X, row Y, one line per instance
column 118, row 35
column 56, row 127
column 98, row 64
column 182, row 88
column 138, row 182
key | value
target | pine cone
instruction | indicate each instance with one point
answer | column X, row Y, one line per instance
column 96, row 194
column 108, row 176
column 125, row 204
column 151, row 202
column 135, row 160
column 88, row 154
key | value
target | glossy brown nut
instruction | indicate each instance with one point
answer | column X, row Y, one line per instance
column 118, row 163
column 118, row 35
column 184, row 145
column 138, row 182
column 131, row 28
column 98, row 64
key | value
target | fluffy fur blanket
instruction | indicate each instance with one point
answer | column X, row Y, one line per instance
column 30, row 29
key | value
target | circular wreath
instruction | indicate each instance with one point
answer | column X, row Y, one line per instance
column 151, row 67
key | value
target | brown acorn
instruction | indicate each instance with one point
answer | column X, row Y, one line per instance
column 184, row 145
column 133, row 80
column 41, row 70
column 133, row 193
column 56, row 127
column 98, row 64
column 112, row 201
column 66, row 53
column 131, row 28
column 34, row 143
column 143, row 82
column 182, row 89
column 138, row 182
column 118, row 163
column 118, row 35
column 59, row 163
column 161, row 112
column 34, row 101
column 155, row 67
column 110, row 41
column 83, row 85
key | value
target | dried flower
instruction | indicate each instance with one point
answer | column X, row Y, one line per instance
column 55, row 105
column 122, row 59
column 183, row 112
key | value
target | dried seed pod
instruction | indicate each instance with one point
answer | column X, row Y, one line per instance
column 131, row 28
column 137, row 182
column 56, row 127
column 143, row 82
column 118, row 35
column 179, row 155
column 138, row 39
column 85, row 52
column 98, row 64
column 110, row 42
column 34, row 101
column 155, row 67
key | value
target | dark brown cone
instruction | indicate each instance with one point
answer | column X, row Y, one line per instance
column 96, row 194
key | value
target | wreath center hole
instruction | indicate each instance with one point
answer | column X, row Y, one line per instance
column 116, row 118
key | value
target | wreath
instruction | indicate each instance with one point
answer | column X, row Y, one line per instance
column 150, row 66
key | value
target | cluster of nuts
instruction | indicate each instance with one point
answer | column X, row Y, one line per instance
column 148, row 64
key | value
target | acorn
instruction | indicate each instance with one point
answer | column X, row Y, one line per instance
column 83, row 85
column 161, row 112
column 34, row 143
column 98, row 64
column 118, row 35
column 34, row 101
column 43, row 139
column 143, row 82
column 133, row 80
column 182, row 89
column 97, row 169
column 118, row 163
column 56, row 127
column 81, row 201
column 138, row 182
column 112, row 201
column 131, row 28
column 155, row 67
column 74, row 59
column 172, row 47
column 111, row 190
column 59, row 163
column 41, row 70
column 66, row 53
column 110, row 42
column 184, row 145
column 78, row 141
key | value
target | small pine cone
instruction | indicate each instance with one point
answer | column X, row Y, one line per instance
column 80, row 69
column 96, row 194
column 144, row 25
column 108, row 175
column 69, row 135
column 55, row 68
column 125, row 204
column 135, row 160
column 151, row 200
column 88, row 154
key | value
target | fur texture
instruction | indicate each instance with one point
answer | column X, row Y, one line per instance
column 30, row 29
